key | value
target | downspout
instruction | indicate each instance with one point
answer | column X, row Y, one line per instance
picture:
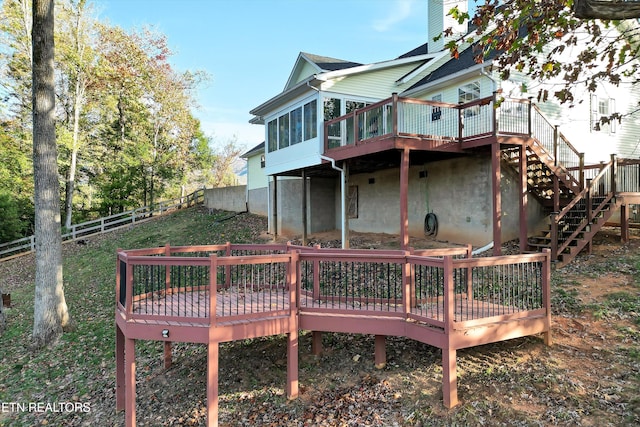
column 343, row 206
column 482, row 249
column 496, row 83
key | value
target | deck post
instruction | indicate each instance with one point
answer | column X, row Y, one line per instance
column 275, row 206
column 404, row 199
column 523, row 199
column 345, row 195
column 167, row 354
column 212, row 382
column 449, row 377
column 120, row 376
column 624, row 224
column 497, row 200
column 546, row 294
column 449, row 374
column 316, row 343
column 292, row 336
column 304, row 207
column 380, row 352
column 588, row 204
column 130, row 382
column 292, row 362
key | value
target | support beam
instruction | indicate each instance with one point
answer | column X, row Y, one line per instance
column 304, row 207
column 380, row 352
column 167, row 354
column 404, row 200
column 120, row 367
column 316, row 343
column 212, row 383
column 292, row 364
column 624, row 224
column 497, row 199
column 345, row 195
column 130, row 382
column 524, row 192
column 449, row 378
column 275, row 206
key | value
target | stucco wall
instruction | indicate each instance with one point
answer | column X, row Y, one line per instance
column 321, row 212
column 257, row 201
column 226, row 198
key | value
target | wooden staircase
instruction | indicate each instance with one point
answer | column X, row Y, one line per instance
column 576, row 212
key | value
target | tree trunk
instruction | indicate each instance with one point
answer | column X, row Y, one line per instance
column 71, row 178
column 50, row 308
column 3, row 321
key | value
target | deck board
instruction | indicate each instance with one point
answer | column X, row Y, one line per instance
column 232, row 304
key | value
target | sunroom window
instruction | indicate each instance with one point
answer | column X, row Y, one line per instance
column 310, row 120
column 283, row 131
column 294, row 126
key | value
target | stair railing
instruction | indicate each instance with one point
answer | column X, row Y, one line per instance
column 602, row 185
column 556, row 146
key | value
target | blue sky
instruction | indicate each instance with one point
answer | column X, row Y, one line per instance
column 249, row 47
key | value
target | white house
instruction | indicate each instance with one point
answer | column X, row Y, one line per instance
column 424, row 143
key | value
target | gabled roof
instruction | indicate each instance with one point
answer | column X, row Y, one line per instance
column 465, row 61
column 302, row 79
column 255, row 150
column 326, row 63
column 420, row 50
column 318, row 63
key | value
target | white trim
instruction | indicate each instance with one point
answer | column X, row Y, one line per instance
column 420, row 69
column 376, row 66
column 463, row 73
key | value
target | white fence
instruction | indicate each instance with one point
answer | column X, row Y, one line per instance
column 105, row 224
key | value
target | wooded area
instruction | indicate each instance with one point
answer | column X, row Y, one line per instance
column 125, row 128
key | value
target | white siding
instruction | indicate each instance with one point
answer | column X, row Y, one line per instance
column 256, row 178
column 376, row 84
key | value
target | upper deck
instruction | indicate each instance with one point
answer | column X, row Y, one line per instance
column 398, row 123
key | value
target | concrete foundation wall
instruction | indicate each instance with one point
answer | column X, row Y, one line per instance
column 226, row 198
column 289, row 206
column 320, row 211
column 458, row 191
column 258, row 201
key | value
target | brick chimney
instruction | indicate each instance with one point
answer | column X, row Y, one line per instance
column 437, row 21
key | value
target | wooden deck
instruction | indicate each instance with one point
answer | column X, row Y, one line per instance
column 235, row 305
column 443, row 298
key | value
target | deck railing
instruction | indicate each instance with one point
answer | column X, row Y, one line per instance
column 440, row 288
column 443, row 123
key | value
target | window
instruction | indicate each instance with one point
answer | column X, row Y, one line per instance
column 467, row 93
column 295, row 117
column 332, row 108
column 272, row 135
column 262, row 161
column 292, row 126
column 602, row 108
column 283, row 131
column 310, row 120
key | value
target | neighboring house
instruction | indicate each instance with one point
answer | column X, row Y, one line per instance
column 257, row 181
column 424, row 144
